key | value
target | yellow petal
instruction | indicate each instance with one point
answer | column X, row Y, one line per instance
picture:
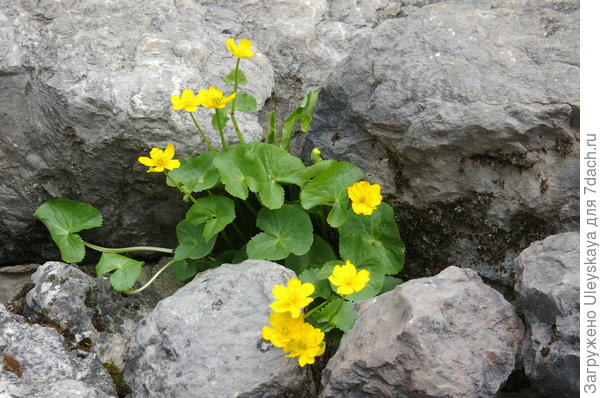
column 187, row 95
column 231, row 45
column 173, row 164
column 245, row 45
column 169, row 151
column 191, row 109
column 345, row 290
column 146, row 161
column 156, row 153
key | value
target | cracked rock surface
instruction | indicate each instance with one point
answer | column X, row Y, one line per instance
column 547, row 286
column 445, row 336
column 37, row 363
column 94, row 315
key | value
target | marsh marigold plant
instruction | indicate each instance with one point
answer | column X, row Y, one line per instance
column 256, row 200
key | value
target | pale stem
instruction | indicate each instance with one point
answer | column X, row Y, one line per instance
column 127, row 249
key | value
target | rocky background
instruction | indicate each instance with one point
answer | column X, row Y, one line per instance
column 467, row 113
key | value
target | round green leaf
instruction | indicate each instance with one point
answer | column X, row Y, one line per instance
column 230, row 78
column 195, row 174
column 330, row 187
column 286, row 230
column 64, row 218
column 244, row 102
column 240, row 169
column 126, row 270
column 217, row 212
column 373, row 241
column 337, row 313
column 191, row 242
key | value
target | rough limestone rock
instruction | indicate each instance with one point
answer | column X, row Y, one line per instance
column 205, row 340
column 445, row 336
column 88, row 308
column 13, row 279
column 37, row 363
column 467, row 113
column 78, row 106
column 547, row 286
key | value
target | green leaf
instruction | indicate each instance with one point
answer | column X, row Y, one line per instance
column 322, row 286
column 191, row 241
column 195, row 174
column 338, row 313
column 64, row 218
column 126, row 270
column 316, row 169
column 373, row 241
column 220, row 119
column 280, row 167
column 390, row 283
column 286, row 230
column 184, row 269
column 319, row 253
column 272, row 129
column 230, row 78
column 244, row 102
column 302, row 114
column 217, row 212
column 240, row 256
column 240, row 169
column 330, row 187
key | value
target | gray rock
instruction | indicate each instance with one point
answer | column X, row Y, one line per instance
column 79, row 106
column 205, row 340
column 42, row 366
column 88, row 308
column 467, row 113
column 13, row 279
column 547, row 287
column 445, row 336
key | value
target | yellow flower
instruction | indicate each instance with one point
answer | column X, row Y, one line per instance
column 213, row 98
column 284, row 329
column 292, row 298
column 347, row 279
column 365, row 197
column 242, row 50
column 307, row 344
column 160, row 160
column 187, row 101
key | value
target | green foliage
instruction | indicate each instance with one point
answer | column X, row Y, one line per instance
column 191, row 241
column 64, row 218
column 244, row 102
column 229, row 80
column 303, row 114
column 331, row 187
column 126, row 270
column 215, row 211
column 196, row 174
column 320, row 252
column 286, row 230
column 322, row 286
column 373, row 241
column 240, row 169
column 337, row 313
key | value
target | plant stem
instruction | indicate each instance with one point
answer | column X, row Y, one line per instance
column 223, row 143
column 127, row 249
column 203, row 135
column 160, row 271
column 309, row 313
column 188, row 195
column 232, row 112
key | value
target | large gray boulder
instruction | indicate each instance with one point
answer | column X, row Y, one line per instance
column 205, row 340
column 445, row 336
column 467, row 113
column 38, row 364
column 88, row 308
column 547, row 287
